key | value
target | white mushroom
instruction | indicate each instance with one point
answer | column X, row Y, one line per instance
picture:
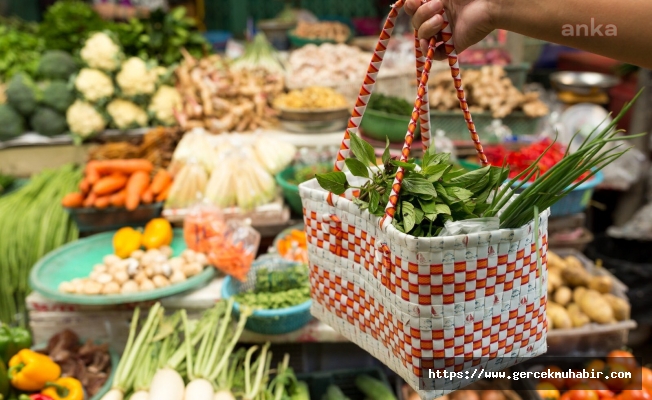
column 78, row 285
column 111, row 288
column 166, row 270
column 67, row 287
column 103, row 278
column 100, row 268
column 129, row 287
column 147, row 285
column 160, row 281
column 192, row 269
column 121, row 277
column 132, row 266
column 188, row 255
column 149, row 271
column 166, row 251
column 111, row 259
column 137, row 254
column 94, row 275
column 140, row 277
column 201, row 258
column 176, row 263
column 177, row 277
column 92, row 287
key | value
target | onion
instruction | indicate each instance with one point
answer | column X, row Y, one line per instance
column 199, row 389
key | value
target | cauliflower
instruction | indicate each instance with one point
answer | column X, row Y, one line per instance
column 135, row 78
column 101, row 52
column 94, row 85
column 126, row 114
column 164, row 102
column 84, row 120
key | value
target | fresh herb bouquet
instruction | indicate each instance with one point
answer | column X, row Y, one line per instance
column 437, row 192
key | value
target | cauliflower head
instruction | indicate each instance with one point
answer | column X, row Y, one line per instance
column 94, row 85
column 101, row 52
column 163, row 103
column 135, row 78
column 84, row 120
column 126, row 114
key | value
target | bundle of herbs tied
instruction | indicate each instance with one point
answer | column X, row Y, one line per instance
column 436, row 192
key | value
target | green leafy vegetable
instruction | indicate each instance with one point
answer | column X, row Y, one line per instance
column 390, row 105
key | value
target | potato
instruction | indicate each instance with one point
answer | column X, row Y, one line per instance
column 578, row 293
column 596, row 307
column 572, row 261
column 554, row 280
column 575, row 275
column 621, row 308
column 559, row 316
column 563, row 295
column 602, row 284
column 554, row 261
column 578, row 318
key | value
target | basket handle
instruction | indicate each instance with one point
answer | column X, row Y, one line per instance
column 421, row 105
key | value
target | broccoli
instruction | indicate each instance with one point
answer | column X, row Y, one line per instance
column 56, row 64
column 22, row 93
column 57, row 95
column 48, row 122
column 12, row 122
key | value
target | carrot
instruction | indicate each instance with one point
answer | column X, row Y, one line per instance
column 73, row 200
column 90, row 199
column 109, row 184
column 102, row 202
column 136, row 186
column 118, row 199
column 92, row 174
column 84, row 186
column 124, row 166
column 161, row 180
column 147, row 196
column 163, row 195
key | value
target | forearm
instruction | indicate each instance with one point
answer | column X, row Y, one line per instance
column 617, row 29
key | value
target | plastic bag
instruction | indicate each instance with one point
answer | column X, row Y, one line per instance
column 194, row 146
column 188, row 186
column 234, row 252
column 204, row 221
column 467, row 226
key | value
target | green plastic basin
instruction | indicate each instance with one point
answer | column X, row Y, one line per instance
column 380, row 125
column 290, row 190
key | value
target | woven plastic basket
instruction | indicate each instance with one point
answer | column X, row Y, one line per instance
column 455, row 303
column 269, row 322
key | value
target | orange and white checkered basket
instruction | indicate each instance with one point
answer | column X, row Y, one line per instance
column 464, row 303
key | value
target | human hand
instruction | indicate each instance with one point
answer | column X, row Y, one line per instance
column 472, row 21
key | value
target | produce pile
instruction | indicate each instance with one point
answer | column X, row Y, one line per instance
column 275, row 289
column 220, row 99
column 578, row 298
column 482, row 57
column 293, row 246
column 32, row 223
column 390, row 104
column 120, row 183
column 487, row 89
column 201, row 364
column 311, row 98
column 323, row 30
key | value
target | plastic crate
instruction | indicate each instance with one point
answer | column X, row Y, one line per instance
column 453, row 123
column 318, row 382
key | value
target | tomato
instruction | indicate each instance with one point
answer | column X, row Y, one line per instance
column 643, row 377
column 600, row 388
column 595, row 366
column 616, row 384
column 622, row 357
column 547, row 391
column 565, row 396
column 556, row 382
column 582, row 394
column 631, row 393
column 570, row 382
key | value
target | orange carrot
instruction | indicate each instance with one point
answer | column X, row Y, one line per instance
column 124, row 166
column 118, row 199
column 109, row 184
column 90, row 199
column 163, row 195
column 84, row 186
column 161, row 180
column 147, row 197
column 102, row 202
column 73, row 200
column 92, row 174
column 136, row 186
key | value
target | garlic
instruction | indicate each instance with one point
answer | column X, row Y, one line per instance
column 140, row 277
column 137, row 254
column 67, row 287
column 147, row 285
column 111, row 259
column 177, row 277
column 111, row 288
column 121, row 277
column 129, row 287
column 176, row 263
column 103, row 278
column 166, row 251
column 160, row 281
column 100, row 268
column 201, row 258
column 92, row 287
column 192, row 269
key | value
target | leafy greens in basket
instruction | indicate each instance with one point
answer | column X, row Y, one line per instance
column 437, row 192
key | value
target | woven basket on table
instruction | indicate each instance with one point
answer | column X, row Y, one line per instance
column 469, row 301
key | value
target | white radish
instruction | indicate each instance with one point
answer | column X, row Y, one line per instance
column 167, row 384
column 224, row 395
column 199, row 389
column 140, row 395
column 113, row 394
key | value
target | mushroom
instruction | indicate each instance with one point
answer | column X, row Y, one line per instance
column 132, row 266
column 166, row 251
column 92, row 287
column 121, row 277
column 137, row 254
column 149, row 271
column 188, row 255
column 177, row 277
column 94, row 274
column 201, row 258
column 129, row 287
column 100, row 268
column 111, row 259
column 111, row 288
column 103, row 278
column 67, row 287
column 78, row 285
column 192, row 269
column 140, row 277
column 176, row 263
column 147, row 285
column 160, row 281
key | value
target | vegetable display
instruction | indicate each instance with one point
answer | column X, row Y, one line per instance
column 66, row 24
column 311, row 98
column 31, row 371
column 323, row 30
column 277, row 289
column 487, row 89
column 32, row 223
column 20, row 50
column 307, row 172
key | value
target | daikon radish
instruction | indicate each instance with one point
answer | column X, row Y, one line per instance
column 140, row 395
column 199, row 389
column 167, row 384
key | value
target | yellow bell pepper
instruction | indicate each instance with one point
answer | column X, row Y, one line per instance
column 64, row 389
column 158, row 232
column 30, row 371
column 126, row 241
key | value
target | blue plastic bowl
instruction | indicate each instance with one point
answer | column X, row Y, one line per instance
column 268, row 322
